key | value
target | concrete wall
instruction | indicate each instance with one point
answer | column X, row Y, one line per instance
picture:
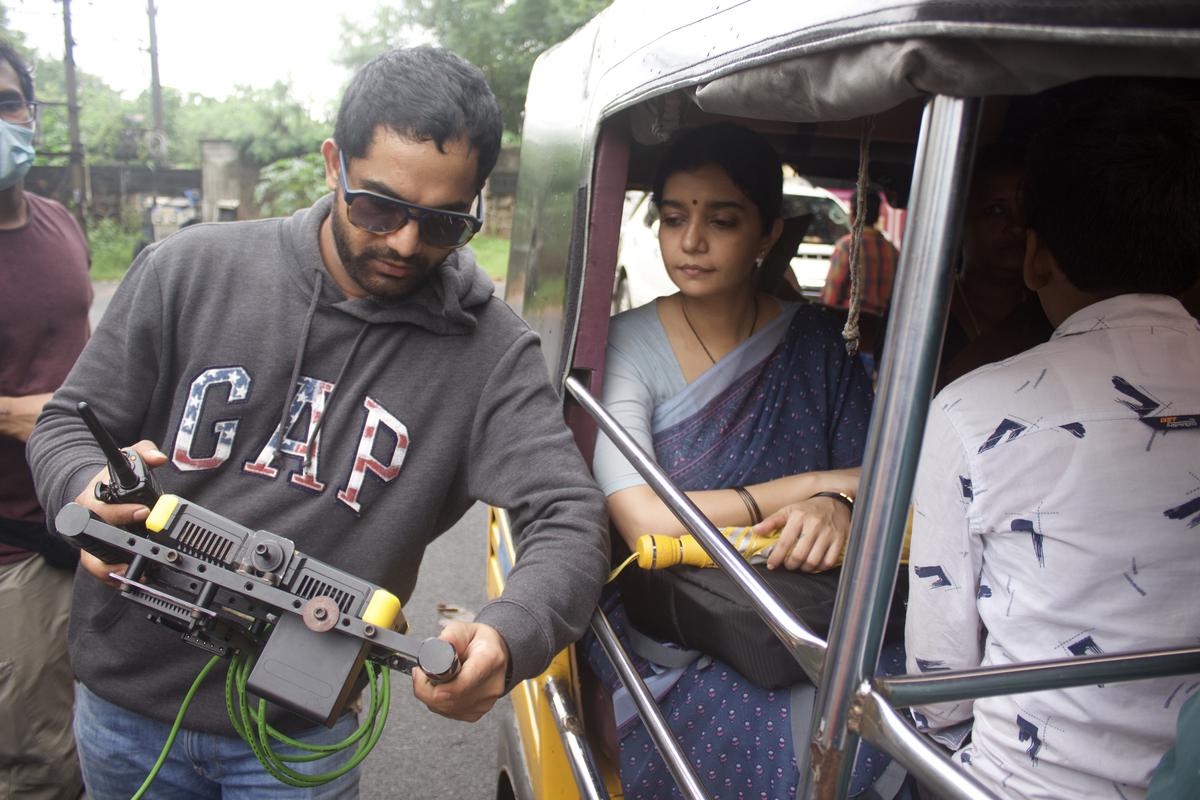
column 114, row 188
column 500, row 194
column 228, row 182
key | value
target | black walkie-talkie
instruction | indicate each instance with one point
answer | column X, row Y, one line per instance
column 131, row 481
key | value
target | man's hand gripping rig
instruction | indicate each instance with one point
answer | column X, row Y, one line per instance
column 229, row 589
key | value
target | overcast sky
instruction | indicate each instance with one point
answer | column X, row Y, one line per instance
column 204, row 46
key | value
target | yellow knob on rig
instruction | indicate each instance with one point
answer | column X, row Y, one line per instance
column 382, row 611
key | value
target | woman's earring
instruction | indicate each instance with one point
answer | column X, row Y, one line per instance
column 758, row 263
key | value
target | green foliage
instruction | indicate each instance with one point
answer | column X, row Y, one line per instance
column 501, row 37
column 112, row 241
column 390, row 28
column 102, row 113
column 290, row 184
column 491, row 252
column 267, row 124
column 11, row 36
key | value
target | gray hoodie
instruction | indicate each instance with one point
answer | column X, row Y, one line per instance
column 418, row 409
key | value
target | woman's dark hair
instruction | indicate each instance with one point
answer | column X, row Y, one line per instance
column 1113, row 189
column 24, row 77
column 424, row 94
column 746, row 157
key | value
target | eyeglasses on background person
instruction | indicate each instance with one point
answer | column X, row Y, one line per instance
column 379, row 214
column 18, row 112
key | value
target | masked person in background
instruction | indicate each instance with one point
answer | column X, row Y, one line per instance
column 44, row 299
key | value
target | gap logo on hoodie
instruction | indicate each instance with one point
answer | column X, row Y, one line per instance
column 311, row 396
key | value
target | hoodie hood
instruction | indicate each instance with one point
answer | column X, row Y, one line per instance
column 446, row 305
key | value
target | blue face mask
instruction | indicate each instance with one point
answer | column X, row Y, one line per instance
column 16, row 153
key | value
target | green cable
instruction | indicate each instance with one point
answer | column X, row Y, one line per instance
column 252, row 727
column 326, row 748
column 274, row 764
column 162, row 757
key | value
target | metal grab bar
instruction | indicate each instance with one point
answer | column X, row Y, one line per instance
column 1036, row 676
column 879, row 724
column 677, row 763
column 805, row 646
column 919, row 305
column 579, row 754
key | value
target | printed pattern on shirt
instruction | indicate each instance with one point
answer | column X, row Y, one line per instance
column 1056, row 506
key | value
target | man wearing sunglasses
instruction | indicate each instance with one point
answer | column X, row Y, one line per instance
column 344, row 377
column 44, row 297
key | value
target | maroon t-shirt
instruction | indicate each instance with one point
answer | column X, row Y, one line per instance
column 45, row 293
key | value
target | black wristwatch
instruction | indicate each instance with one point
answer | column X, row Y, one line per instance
column 841, row 497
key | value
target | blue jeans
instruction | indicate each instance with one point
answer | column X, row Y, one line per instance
column 118, row 748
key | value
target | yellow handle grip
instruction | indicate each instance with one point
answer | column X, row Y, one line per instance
column 660, row 552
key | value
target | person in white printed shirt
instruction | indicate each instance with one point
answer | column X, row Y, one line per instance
column 1057, row 501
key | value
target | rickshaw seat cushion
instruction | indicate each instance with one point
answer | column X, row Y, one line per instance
column 703, row 609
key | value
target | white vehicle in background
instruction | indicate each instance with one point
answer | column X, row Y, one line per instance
column 830, row 222
column 640, row 276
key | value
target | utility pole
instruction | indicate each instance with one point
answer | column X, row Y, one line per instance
column 159, row 144
column 78, row 182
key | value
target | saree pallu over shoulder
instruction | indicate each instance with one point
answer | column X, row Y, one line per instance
column 775, row 406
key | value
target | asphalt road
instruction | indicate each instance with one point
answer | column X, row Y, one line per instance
column 422, row 756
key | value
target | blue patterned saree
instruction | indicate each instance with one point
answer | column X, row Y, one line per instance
column 787, row 400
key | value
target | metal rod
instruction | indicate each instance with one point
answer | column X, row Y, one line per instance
column 805, row 646
column 880, row 725
column 685, row 777
column 1036, row 676
column 579, row 753
column 919, row 305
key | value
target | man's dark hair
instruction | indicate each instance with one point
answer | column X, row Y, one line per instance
column 24, row 76
column 872, row 197
column 423, row 94
column 746, row 157
column 1113, row 190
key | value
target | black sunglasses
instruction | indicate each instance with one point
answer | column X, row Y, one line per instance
column 379, row 214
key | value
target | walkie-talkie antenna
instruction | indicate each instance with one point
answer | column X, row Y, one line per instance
column 117, row 465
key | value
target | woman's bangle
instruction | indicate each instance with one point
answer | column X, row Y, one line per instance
column 841, row 497
column 751, row 506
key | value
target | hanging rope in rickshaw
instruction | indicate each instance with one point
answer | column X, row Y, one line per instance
column 850, row 332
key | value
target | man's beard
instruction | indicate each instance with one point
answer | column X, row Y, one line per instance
column 383, row 289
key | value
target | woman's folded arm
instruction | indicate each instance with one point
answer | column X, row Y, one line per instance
column 638, row 511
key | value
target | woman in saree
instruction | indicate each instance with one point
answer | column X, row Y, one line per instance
column 753, row 407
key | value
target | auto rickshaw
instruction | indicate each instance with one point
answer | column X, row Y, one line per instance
column 905, row 90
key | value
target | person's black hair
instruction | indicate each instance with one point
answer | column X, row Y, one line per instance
column 1112, row 188
column 24, row 76
column 746, row 157
column 423, row 94
column 872, row 196
column 1000, row 157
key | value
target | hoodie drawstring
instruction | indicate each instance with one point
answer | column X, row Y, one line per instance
column 337, row 383
column 290, row 387
column 296, row 366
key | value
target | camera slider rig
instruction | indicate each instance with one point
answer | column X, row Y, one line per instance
column 229, row 589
